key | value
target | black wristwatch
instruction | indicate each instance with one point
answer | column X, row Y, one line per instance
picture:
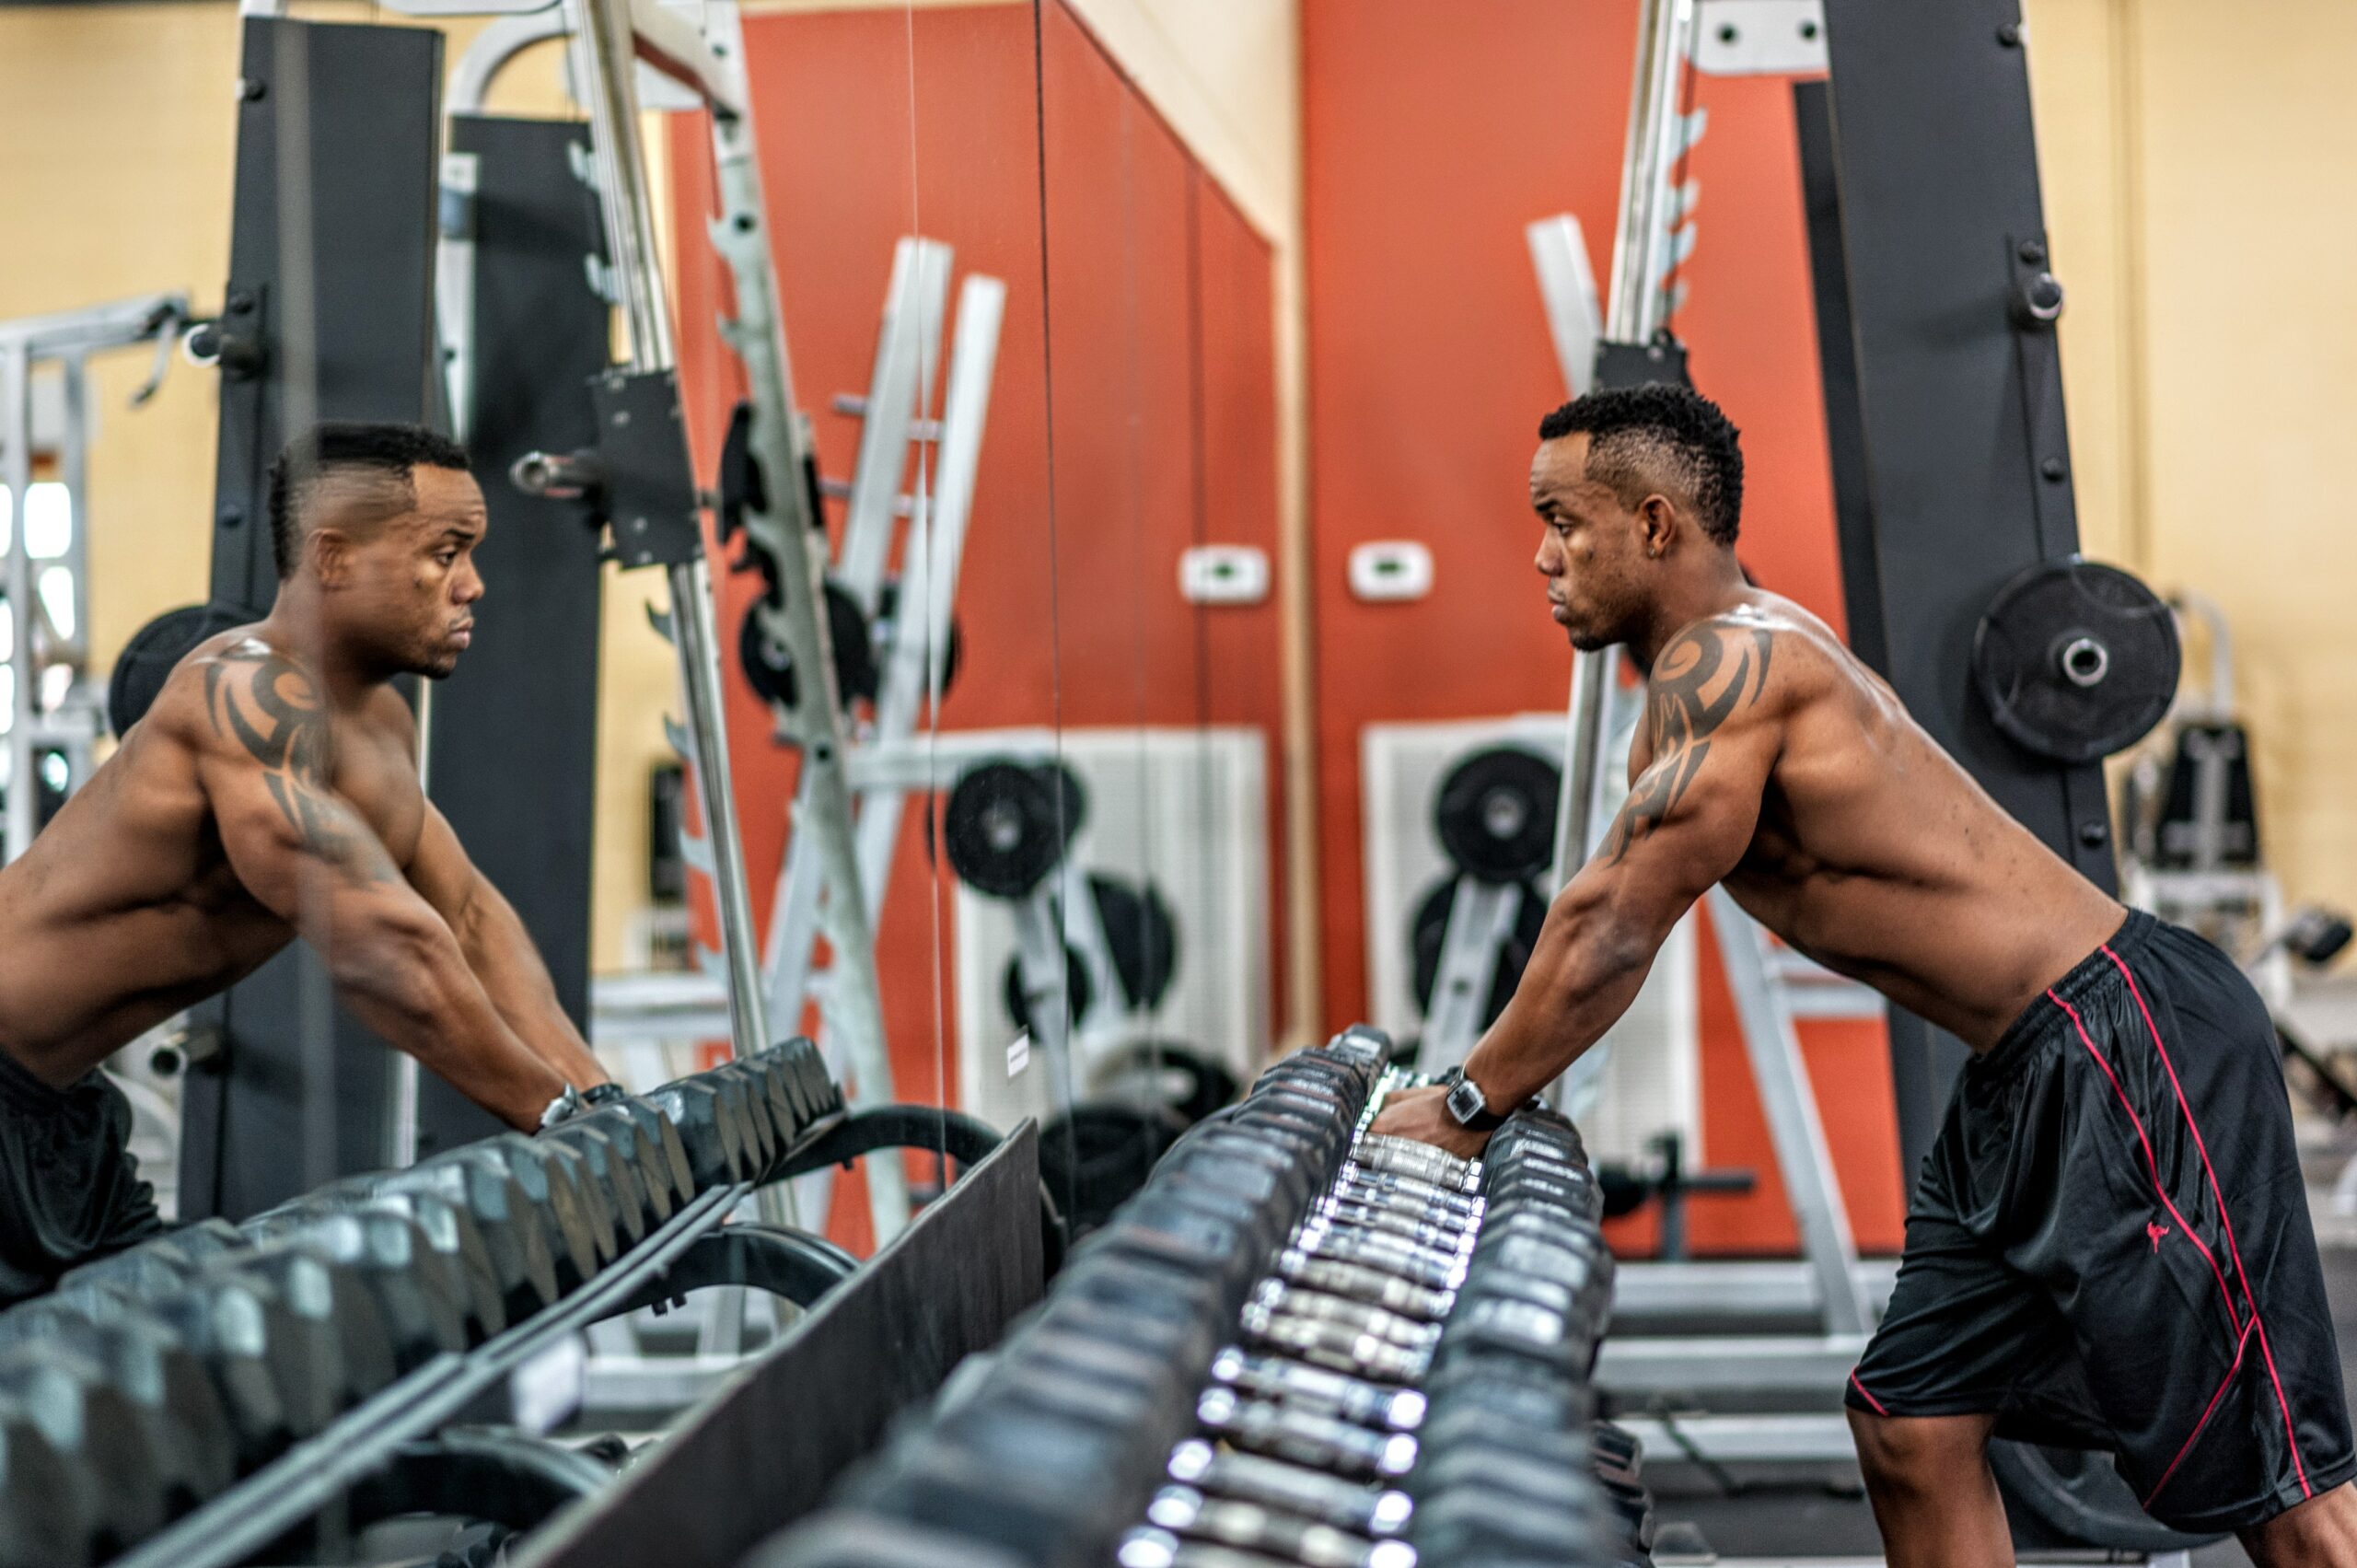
column 1466, row 1105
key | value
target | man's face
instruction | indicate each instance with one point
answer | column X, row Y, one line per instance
column 411, row 584
column 1590, row 551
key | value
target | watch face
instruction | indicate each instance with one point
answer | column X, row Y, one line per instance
column 1465, row 1101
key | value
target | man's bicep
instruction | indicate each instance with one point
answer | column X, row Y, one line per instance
column 1675, row 836
column 441, row 871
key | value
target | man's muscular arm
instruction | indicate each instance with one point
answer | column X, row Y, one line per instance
column 311, row 860
column 1714, row 735
column 500, row 951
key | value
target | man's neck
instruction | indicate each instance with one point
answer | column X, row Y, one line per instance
column 1713, row 588
column 296, row 625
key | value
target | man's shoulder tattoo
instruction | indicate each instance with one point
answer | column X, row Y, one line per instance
column 1706, row 674
column 272, row 709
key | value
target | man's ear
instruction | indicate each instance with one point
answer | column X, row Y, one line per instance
column 1656, row 525
column 331, row 552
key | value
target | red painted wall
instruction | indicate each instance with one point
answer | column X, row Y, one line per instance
column 1133, row 413
column 1433, row 133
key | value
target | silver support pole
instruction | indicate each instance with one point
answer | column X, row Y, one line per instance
column 1634, row 310
column 778, row 441
column 604, row 67
column 1656, row 139
column 16, row 431
column 1793, row 1126
column 74, row 468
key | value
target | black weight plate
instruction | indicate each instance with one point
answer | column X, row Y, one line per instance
column 1496, row 814
column 1078, row 993
column 1002, row 829
column 2076, row 660
column 1431, row 931
column 1095, row 1160
column 1144, row 939
column 1185, row 1079
column 153, row 651
column 2078, row 1494
column 769, row 666
column 887, row 607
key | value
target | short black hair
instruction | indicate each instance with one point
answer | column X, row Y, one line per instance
column 1639, row 435
column 391, row 451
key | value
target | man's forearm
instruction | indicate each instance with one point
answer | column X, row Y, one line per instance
column 1585, row 971
column 500, row 952
column 414, row 989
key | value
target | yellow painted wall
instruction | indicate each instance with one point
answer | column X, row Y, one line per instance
column 2195, row 161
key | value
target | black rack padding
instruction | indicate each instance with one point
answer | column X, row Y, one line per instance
column 764, row 1450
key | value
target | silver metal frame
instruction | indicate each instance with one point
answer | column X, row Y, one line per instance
column 67, row 340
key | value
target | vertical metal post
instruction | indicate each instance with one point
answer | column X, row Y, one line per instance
column 16, row 429
column 793, row 539
column 1635, row 308
column 74, row 468
column 1765, row 1012
column 604, row 61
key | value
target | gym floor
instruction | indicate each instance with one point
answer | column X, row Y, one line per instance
column 1816, row 1518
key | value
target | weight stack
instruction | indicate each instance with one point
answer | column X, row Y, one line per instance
column 1296, row 1344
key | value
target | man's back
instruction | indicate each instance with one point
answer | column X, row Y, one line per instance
column 1873, row 853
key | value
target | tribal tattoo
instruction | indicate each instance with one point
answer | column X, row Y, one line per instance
column 272, row 708
column 1681, row 715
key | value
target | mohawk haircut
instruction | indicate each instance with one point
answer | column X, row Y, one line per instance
column 384, row 452
column 1660, row 438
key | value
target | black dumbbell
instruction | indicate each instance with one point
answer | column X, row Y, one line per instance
column 750, row 1092
column 1281, row 1380
column 1617, row 1453
column 1302, row 1437
column 548, row 1176
column 130, row 1466
column 600, row 1140
column 516, row 1238
column 330, row 1347
column 150, row 1366
column 719, row 1146
column 42, row 1522
column 1361, row 1508
column 1178, row 1341
column 159, row 1265
column 841, row 1537
column 418, row 1290
column 1053, row 1506
column 661, row 1157
column 451, row 1232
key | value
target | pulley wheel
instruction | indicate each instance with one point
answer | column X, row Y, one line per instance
column 2076, row 660
column 1496, row 814
column 1431, row 930
column 2080, row 1497
column 1005, row 827
column 153, row 652
column 769, row 663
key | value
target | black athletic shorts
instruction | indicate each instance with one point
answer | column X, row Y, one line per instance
column 2109, row 1245
column 69, row 1190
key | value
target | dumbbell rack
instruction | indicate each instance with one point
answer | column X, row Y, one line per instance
column 1297, row 1344
column 193, row 1400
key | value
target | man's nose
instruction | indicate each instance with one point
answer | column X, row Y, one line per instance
column 469, row 588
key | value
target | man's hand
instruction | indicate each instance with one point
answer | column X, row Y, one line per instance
column 1421, row 1115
